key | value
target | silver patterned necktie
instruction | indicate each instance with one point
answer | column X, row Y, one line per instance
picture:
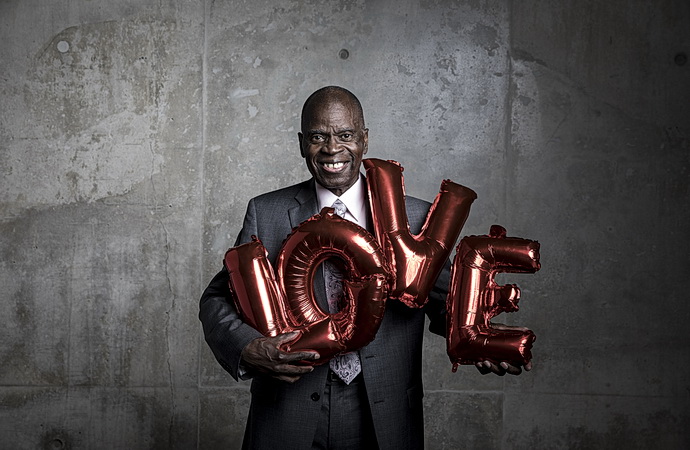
column 347, row 365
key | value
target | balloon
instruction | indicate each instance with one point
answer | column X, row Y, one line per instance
column 416, row 260
column 475, row 298
column 284, row 301
column 364, row 286
column 258, row 296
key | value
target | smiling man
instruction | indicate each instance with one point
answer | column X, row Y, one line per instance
column 333, row 138
column 369, row 399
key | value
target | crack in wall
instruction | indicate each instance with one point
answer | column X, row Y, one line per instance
column 173, row 297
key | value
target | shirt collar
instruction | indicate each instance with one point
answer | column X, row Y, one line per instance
column 354, row 199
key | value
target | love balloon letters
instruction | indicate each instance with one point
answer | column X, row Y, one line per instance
column 393, row 264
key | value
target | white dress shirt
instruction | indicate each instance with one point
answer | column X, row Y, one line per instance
column 355, row 200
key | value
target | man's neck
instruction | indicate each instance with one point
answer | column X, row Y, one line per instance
column 355, row 198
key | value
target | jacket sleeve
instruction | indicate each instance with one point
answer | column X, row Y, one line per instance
column 225, row 332
column 435, row 308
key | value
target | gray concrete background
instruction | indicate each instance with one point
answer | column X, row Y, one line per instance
column 133, row 132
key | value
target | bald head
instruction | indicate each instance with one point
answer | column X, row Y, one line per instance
column 332, row 94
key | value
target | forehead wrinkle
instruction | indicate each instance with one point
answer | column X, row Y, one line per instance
column 335, row 130
column 322, row 106
column 332, row 118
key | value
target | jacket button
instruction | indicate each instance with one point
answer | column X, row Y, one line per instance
column 315, row 396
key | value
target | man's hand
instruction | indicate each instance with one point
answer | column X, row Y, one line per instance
column 501, row 369
column 485, row 367
column 263, row 355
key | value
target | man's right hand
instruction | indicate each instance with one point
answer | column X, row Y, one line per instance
column 263, row 355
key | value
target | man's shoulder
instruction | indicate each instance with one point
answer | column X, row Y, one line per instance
column 417, row 210
column 283, row 194
column 414, row 204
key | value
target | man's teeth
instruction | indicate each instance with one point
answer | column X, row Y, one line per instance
column 334, row 166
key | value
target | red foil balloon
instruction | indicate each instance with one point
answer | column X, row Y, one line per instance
column 417, row 260
column 364, row 285
column 283, row 303
column 474, row 298
column 258, row 296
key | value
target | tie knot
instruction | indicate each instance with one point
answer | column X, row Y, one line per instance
column 339, row 207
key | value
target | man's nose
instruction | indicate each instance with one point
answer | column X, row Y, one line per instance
column 331, row 146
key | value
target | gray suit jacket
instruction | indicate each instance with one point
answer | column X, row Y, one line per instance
column 284, row 415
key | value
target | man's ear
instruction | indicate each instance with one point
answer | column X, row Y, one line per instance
column 366, row 141
column 300, row 136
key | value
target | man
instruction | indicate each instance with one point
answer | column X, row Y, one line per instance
column 297, row 406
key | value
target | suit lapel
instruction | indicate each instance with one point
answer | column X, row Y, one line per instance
column 307, row 206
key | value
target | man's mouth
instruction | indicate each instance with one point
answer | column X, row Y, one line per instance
column 334, row 167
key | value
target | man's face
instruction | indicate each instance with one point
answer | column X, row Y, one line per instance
column 333, row 142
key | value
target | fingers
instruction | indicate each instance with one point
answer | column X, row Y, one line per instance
column 289, row 372
column 513, row 370
column 486, row 367
column 482, row 368
column 292, row 356
column 265, row 356
column 290, row 368
column 301, row 356
column 493, row 368
column 284, row 337
column 501, row 369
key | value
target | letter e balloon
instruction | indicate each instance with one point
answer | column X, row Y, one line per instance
column 474, row 298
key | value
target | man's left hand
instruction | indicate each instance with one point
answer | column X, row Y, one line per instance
column 485, row 367
column 503, row 368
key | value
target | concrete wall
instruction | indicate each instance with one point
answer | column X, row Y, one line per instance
column 133, row 132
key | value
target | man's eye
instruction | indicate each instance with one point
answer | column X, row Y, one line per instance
column 346, row 136
column 317, row 138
